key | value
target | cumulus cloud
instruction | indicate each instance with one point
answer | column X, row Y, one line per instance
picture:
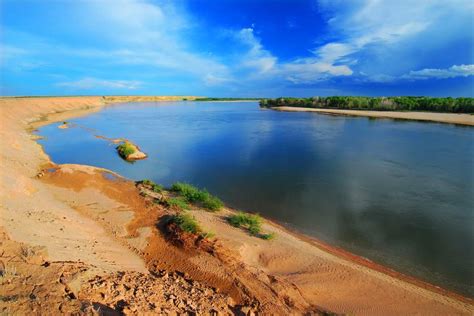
column 140, row 33
column 373, row 42
column 300, row 70
column 93, row 83
column 155, row 41
column 451, row 72
column 256, row 57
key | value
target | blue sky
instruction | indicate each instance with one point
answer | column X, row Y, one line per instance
column 237, row 48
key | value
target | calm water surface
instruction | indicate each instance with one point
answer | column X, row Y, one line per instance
column 397, row 192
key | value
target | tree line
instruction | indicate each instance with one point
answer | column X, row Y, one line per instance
column 429, row 104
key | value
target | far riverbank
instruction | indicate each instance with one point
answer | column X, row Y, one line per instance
column 450, row 118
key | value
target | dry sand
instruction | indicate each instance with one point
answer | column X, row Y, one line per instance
column 87, row 226
column 452, row 118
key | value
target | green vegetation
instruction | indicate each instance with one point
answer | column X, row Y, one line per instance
column 451, row 105
column 189, row 224
column 227, row 99
column 155, row 187
column 178, row 202
column 125, row 149
column 194, row 195
column 252, row 222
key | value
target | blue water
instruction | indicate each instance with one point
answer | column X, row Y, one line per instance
column 397, row 192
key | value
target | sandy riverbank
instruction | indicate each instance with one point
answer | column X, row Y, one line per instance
column 451, row 118
column 86, row 224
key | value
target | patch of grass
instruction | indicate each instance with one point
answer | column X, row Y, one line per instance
column 195, row 195
column 178, row 202
column 125, row 149
column 188, row 191
column 148, row 182
column 155, row 187
column 212, row 203
column 187, row 222
column 268, row 236
column 252, row 222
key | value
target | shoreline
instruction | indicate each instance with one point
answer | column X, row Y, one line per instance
column 448, row 118
column 55, row 116
column 366, row 262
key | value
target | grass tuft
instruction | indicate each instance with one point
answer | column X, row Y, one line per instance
column 252, row 222
column 177, row 202
column 187, row 222
column 154, row 187
column 268, row 236
column 125, row 149
column 195, row 195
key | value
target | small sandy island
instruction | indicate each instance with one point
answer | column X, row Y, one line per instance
column 83, row 240
column 452, row 118
column 130, row 152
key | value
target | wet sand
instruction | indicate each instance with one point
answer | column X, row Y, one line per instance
column 75, row 214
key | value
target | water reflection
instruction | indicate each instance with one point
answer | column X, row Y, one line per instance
column 397, row 192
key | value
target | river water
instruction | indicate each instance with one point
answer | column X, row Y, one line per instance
column 400, row 193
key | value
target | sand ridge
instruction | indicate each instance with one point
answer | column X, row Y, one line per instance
column 76, row 214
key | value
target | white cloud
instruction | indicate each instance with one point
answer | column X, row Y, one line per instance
column 123, row 32
column 361, row 25
column 301, row 70
column 376, row 32
column 256, row 57
column 212, row 80
column 95, row 83
column 451, row 72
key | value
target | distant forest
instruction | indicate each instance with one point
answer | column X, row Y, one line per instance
column 448, row 105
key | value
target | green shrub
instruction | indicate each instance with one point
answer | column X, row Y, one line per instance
column 252, row 222
column 191, row 193
column 213, row 203
column 178, row 202
column 187, row 222
column 125, row 149
column 148, row 182
column 157, row 188
column 194, row 195
column 268, row 236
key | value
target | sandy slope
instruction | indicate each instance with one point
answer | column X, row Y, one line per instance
column 327, row 280
column 76, row 215
column 452, row 118
column 30, row 213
